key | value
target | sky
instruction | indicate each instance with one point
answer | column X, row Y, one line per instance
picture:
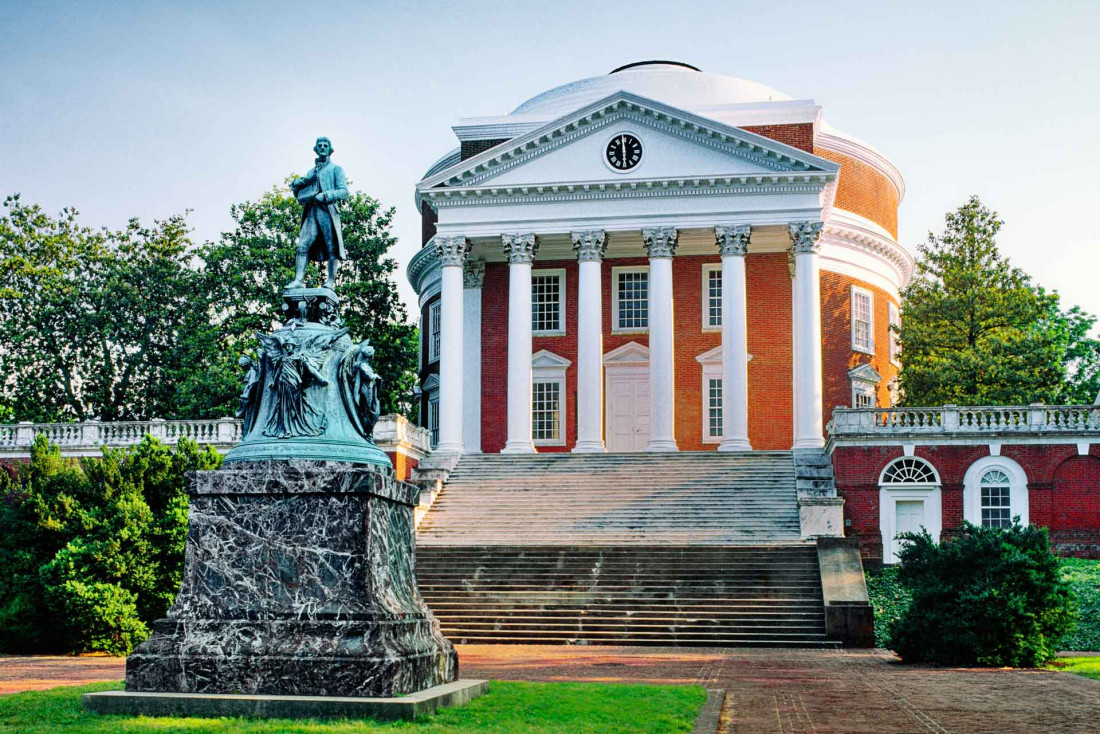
column 147, row 109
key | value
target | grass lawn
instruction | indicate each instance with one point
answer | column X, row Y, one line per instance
column 508, row 708
column 1088, row 667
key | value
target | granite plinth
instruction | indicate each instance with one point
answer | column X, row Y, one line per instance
column 299, row 579
column 422, row 703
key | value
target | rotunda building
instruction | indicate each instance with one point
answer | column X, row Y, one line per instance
column 656, row 259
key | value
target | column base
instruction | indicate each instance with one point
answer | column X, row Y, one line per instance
column 662, row 445
column 816, row 442
column 589, row 447
column 449, row 449
column 518, row 447
column 735, row 444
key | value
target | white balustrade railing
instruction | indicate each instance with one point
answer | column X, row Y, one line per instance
column 956, row 420
column 224, row 433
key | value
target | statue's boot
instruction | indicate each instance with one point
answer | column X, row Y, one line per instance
column 299, row 270
column 331, row 282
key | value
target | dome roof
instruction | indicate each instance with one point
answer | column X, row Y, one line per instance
column 670, row 82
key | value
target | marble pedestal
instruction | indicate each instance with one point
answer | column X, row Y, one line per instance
column 299, row 580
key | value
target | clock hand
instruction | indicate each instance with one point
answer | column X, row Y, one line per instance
column 622, row 145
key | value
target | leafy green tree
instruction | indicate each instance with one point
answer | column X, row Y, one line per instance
column 90, row 320
column 976, row 331
column 243, row 280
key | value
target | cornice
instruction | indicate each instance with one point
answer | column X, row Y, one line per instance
column 843, row 229
column 763, row 151
column 838, row 142
column 806, row 182
column 423, row 262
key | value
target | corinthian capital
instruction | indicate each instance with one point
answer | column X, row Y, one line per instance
column 452, row 250
column 732, row 239
column 660, row 241
column 473, row 274
column 590, row 245
column 804, row 237
column 520, row 248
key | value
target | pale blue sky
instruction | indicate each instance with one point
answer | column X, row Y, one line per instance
column 146, row 109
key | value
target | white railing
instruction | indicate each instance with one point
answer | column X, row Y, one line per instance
column 223, row 433
column 960, row 420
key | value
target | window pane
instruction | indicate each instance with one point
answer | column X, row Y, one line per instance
column 996, row 499
column 433, row 420
column 633, row 301
column 545, row 303
column 546, row 411
column 861, row 321
column 433, row 332
column 714, row 298
column 714, row 408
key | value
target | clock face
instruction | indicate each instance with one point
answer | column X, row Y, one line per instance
column 624, row 151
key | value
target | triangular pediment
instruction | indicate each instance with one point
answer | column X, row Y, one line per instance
column 431, row 383
column 627, row 354
column 864, row 373
column 714, row 356
column 545, row 359
column 676, row 144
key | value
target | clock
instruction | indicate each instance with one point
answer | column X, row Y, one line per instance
column 623, row 152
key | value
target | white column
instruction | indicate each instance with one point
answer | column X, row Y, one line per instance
column 807, row 335
column 473, row 279
column 520, row 249
column 590, row 247
column 452, row 256
column 733, row 245
column 660, row 244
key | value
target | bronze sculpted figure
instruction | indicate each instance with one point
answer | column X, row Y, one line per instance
column 320, row 237
column 361, row 389
column 295, row 365
column 250, row 395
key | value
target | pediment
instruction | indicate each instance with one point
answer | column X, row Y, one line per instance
column 676, row 145
column 631, row 353
column 545, row 359
column 432, row 383
column 714, row 356
column 864, row 373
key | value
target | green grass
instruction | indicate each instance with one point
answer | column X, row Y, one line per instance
column 1088, row 667
column 508, row 708
column 890, row 600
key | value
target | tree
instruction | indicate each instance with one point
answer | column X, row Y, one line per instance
column 976, row 331
column 243, row 279
column 90, row 320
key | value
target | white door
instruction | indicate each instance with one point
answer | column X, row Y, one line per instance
column 909, row 519
column 627, row 409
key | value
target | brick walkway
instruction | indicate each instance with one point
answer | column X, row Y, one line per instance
column 769, row 691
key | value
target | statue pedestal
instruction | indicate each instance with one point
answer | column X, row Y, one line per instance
column 299, row 580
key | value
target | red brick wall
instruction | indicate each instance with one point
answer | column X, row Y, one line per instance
column 494, row 358
column 771, row 372
column 690, row 342
column 864, row 191
column 1063, row 490
column 799, row 136
column 836, row 347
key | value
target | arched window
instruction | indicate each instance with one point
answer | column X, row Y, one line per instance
column 909, row 501
column 994, row 492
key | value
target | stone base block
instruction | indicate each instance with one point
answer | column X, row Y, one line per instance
column 421, row 703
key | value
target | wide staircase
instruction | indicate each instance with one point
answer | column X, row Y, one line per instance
column 696, row 549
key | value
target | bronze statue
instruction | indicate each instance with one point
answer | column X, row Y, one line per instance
column 320, row 237
column 250, row 398
column 295, row 365
column 361, row 389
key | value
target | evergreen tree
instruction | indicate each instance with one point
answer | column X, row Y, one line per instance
column 976, row 331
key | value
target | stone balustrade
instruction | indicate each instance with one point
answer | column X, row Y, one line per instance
column 954, row 421
column 89, row 438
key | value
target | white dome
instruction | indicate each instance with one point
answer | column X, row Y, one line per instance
column 669, row 82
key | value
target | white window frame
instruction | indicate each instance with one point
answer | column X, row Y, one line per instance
column 894, row 318
column 857, row 291
column 972, row 488
column 864, row 380
column 711, row 362
column 889, row 494
column 560, row 273
column 549, row 367
column 434, row 323
column 866, row 390
column 432, row 424
column 615, row 271
column 709, row 268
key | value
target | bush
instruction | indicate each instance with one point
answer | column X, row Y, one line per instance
column 92, row 549
column 1083, row 576
column 889, row 599
column 988, row 597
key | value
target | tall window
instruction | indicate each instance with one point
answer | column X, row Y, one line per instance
column 548, row 302
column 996, row 499
column 433, row 418
column 712, row 296
column 433, row 332
column 631, row 299
column 714, row 408
column 546, row 411
column 863, row 339
column 863, row 396
column 895, row 323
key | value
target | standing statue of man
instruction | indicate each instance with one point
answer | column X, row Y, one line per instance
column 320, row 237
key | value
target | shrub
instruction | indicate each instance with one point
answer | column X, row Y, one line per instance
column 987, row 597
column 889, row 599
column 1083, row 576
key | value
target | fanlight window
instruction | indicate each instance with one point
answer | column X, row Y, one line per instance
column 909, row 470
column 996, row 499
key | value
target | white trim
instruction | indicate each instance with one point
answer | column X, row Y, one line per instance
column 866, row 389
column 615, row 328
column 435, row 322
column 1083, row 448
column 711, row 363
column 547, row 367
column 834, row 140
column 893, row 318
column 994, row 449
column 560, row 273
column 890, row 495
column 1018, row 494
column 709, row 268
column 641, row 160
column 858, row 291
